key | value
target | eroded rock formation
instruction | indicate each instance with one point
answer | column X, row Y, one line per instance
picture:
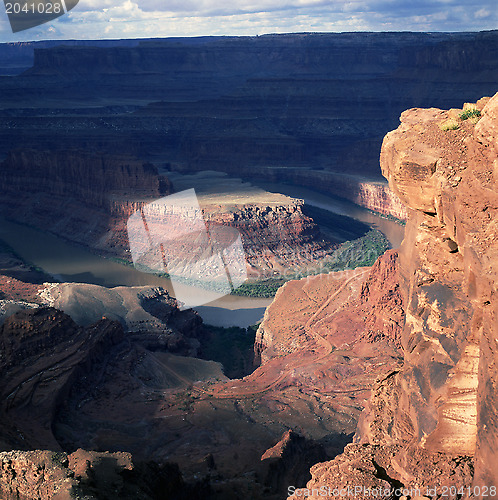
column 432, row 425
column 47, row 475
column 84, row 197
column 148, row 315
column 88, row 198
column 42, row 353
column 277, row 235
column 371, row 310
column 286, row 462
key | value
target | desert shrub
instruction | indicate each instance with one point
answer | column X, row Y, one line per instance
column 449, row 124
column 470, row 113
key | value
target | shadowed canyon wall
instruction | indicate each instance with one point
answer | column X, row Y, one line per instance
column 88, row 197
column 246, row 105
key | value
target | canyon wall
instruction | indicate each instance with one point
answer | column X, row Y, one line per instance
column 318, row 103
column 95, row 179
column 432, row 425
column 374, row 195
column 88, row 198
column 82, row 196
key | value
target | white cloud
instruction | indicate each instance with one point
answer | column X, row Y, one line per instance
column 482, row 14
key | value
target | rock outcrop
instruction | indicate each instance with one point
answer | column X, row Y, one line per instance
column 42, row 353
column 149, row 315
column 432, row 424
column 278, row 237
column 48, row 475
column 287, row 461
column 372, row 310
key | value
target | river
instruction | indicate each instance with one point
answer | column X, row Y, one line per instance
column 70, row 263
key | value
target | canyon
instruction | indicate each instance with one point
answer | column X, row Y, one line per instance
column 123, row 384
column 88, row 198
column 401, row 354
column 379, row 377
column 299, row 108
column 429, row 428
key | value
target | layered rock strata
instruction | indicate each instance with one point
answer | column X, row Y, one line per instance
column 96, row 179
column 431, row 426
column 84, row 197
column 277, row 236
column 88, row 198
column 316, row 102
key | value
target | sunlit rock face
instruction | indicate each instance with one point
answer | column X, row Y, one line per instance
column 447, row 263
column 434, row 421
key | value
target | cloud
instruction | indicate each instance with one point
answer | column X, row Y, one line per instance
column 157, row 18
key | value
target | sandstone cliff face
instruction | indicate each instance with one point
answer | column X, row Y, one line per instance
column 374, row 195
column 84, row 197
column 439, row 411
column 448, row 263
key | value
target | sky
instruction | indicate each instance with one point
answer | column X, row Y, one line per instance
column 99, row 19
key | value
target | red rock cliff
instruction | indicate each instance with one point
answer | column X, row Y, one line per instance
column 433, row 423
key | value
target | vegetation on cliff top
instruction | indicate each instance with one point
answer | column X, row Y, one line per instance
column 470, row 113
